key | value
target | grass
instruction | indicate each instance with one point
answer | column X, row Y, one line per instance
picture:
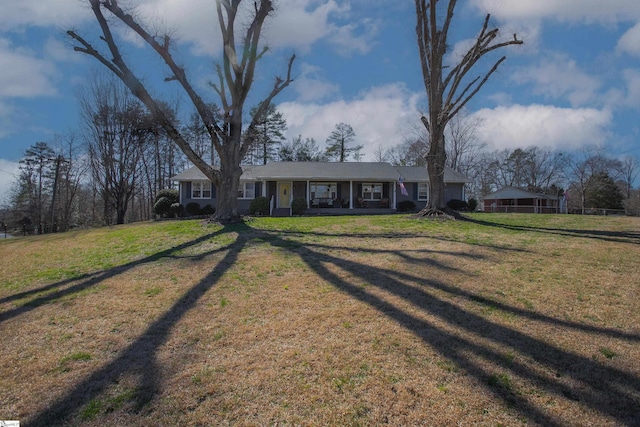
column 499, row 320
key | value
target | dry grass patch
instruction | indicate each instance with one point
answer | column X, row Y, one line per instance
column 502, row 320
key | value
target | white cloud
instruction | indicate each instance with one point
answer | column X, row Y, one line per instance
column 379, row 117
column 630, row 41
column 311, row 86
column 520, row 126
column 7, row 119
column 295, row 24
column 588, row 11
column 346, row 42
column 9, row 172
column 632, row 80
column 24, row 75
column 557, row 76
column 43, row 13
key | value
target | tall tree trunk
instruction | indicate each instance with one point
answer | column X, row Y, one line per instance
column 436, row 159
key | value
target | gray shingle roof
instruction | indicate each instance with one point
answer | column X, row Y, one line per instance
column 323, row 171
column 517, row 193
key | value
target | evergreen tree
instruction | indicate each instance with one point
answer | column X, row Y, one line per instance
column 338, row 143
column 268, row 131
column 35, row 185
column 602, row 192
column 301, row 151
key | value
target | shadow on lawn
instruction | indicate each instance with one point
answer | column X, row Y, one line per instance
column 609, row 391
column 86, row 281
column 610, row 236
column 139, row 357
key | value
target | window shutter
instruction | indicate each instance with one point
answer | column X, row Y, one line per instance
column 213, row 191
column 415, row 191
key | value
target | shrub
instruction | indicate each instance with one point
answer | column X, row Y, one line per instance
column 298, row 206
column 177, row 210
column 208, row 210
column 259, row 206
column 162, row 206
column 457, row 205
column 473, row 204
column 193, row 208
column 170, row 193
column 164, row 200
column 406, row 206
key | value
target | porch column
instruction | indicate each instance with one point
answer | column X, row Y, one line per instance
column 350, row 194
column 394, row 195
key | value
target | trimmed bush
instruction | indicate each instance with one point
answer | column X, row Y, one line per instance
column 193, row 209
column 208, row 210
column 177, row 210
column 473, row 204
column 458, row 205
column 170, row 193
column 164, row 200
column 298, row 206
column 406, row 206
column 259, row 206
column 162, row 206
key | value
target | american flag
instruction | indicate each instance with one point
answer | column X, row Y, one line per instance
column 403, row 190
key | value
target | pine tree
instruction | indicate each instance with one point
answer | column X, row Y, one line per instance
column 338, row 141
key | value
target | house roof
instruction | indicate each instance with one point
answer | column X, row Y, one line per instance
column 323, row 171
column 516, row 193
column 419, row 173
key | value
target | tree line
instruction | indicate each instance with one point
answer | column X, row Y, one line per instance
column 111, row 170
column 136, row 141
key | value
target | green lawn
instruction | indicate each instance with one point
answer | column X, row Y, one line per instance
column 501, row 319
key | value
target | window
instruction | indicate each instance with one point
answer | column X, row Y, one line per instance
column 200, row 190
column 247, row 190
column 323, row 190
column 372, row 191
column 423, row 191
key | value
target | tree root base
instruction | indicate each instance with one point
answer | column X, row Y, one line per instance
column 445, row 214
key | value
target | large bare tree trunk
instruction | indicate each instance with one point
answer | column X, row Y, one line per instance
column 235, row 78
column 447, row 93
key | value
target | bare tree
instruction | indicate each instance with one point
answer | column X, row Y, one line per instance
column 71, row 168
column 117, row 131
column 629, row 169
column 464, row 145
column 449, row 92
column 235, row 77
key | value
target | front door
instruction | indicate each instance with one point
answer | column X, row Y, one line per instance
column 284, row 194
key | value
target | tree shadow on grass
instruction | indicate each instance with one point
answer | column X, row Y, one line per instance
column 606, row 235
column 64, row 288
column 607, row 390
column 139, row 358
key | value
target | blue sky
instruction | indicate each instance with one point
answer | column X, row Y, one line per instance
column 575, row 82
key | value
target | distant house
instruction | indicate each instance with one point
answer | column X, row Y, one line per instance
column 358, row 187
column 511, row 199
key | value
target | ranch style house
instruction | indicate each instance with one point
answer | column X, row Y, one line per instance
column 327, row 187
